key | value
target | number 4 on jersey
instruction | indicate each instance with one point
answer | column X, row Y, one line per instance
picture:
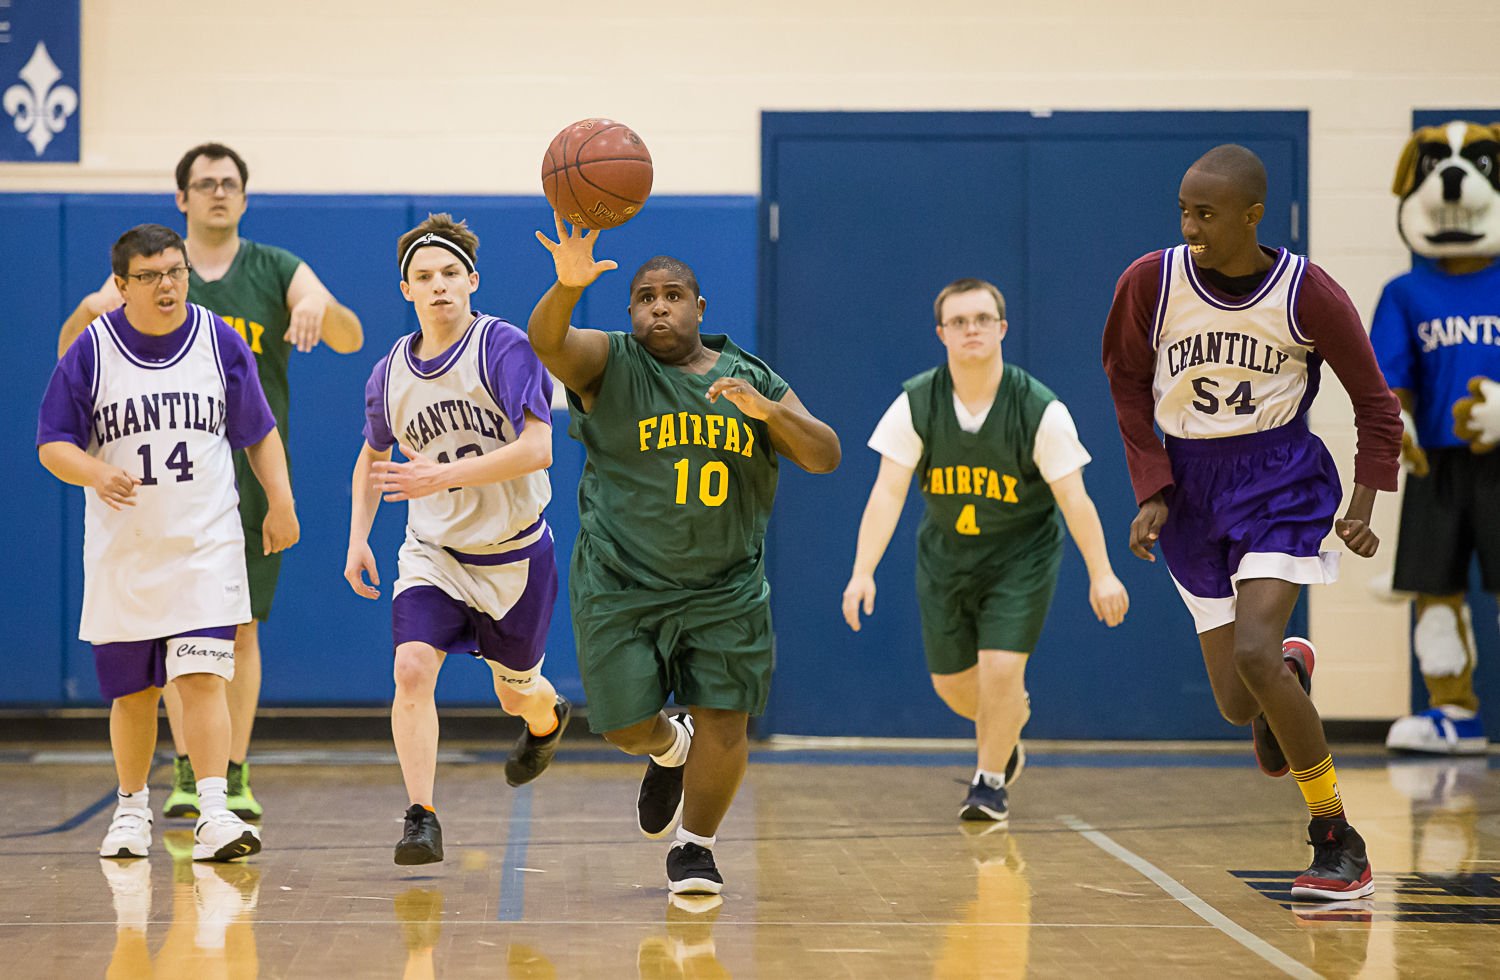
column 967, row 523
column 1208, row 401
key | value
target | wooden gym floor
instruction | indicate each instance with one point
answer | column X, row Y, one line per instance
column 1119, row 861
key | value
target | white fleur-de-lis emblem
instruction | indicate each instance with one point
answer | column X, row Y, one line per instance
column 41, row 106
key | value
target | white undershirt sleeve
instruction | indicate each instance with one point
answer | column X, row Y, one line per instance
column 1056, row 449
column 896, row 437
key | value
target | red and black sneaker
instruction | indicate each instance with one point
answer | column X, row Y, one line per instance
column 1300, row 657
column 1340, row 869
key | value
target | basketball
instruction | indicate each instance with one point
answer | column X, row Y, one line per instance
column 597, row 173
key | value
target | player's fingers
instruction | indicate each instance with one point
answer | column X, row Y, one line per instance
column 562, row 228
column 590, row 235
column 374, row 572
column 605, row 265
column 395, row 496
column 547, row 243
column 870, row 603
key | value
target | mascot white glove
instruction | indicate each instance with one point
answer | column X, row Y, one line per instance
column 1413, row 457
column 1476, row 418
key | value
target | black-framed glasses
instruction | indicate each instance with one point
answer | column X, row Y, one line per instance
column 207, row 185
column 983, row 321
column 151, row 278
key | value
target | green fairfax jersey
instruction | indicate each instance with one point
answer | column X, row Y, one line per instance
column 251, row 297
column 676, row 490
column 983, row 486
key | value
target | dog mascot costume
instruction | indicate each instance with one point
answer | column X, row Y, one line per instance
column 1437, row 336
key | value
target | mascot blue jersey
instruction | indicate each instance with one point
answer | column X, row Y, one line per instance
column 1433, row 332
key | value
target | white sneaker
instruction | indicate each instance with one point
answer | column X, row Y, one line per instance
column 129, row 834
column 222, row 836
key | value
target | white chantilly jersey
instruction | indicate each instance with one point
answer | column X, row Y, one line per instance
column 176, row 560
column 449, row 412
column 1229, row 368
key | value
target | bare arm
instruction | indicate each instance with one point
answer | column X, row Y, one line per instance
column 316, row 316
column 1107, row 595
column 364, row 502
column 795, row 432
column 529, row 452
column 267, row 460
column 577, row 357
column 72, row 465
column 106, row 298
column 882, row 513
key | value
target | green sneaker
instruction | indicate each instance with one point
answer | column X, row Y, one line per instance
column 242, row 802
column 183, row 803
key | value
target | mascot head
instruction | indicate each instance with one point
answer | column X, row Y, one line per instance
column 1449, row 184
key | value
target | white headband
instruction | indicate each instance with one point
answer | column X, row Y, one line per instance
column 440, row 242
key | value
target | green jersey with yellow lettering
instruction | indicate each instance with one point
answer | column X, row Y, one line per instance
column 676, row 490
column 251, row 297
column 983, row 490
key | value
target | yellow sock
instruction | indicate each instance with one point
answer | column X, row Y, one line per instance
column 1320, row 788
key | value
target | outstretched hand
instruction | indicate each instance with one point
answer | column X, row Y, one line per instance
column 1146, row 527
column 573, row 254
column 745, row 397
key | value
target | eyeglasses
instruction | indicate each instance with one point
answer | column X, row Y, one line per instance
column 208, row 185
column 178, row 274
column 983, row 321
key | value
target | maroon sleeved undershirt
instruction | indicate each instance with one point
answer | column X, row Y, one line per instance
column 1324, row 313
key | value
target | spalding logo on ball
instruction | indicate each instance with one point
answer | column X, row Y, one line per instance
column 597, row 173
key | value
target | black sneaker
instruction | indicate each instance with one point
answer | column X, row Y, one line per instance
column 691, row 871
column 660, row 801
column 1340, row 868
column 985, row 802
column 1299, row 657
column 531, row 754
column 422, row 840
column 1015, row 764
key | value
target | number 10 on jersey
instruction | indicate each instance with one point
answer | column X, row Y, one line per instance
column 713, row 481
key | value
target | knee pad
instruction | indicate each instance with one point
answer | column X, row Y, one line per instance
column 1439, row 642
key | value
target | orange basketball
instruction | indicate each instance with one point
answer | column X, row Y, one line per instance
column 597, row 173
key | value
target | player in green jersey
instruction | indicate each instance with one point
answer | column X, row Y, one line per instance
column 682, row 432
column 998, row 457
column 276, row 303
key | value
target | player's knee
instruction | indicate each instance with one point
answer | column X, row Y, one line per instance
column 1258, row 664
column 959, row 692
column 634, row 739
column 414, row 672
column 724, row 731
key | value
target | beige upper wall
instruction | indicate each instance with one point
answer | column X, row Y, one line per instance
column 463, row 97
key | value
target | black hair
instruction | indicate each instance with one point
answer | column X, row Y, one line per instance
column 677, row 267
column 214, row 151
column 1240, row 166
column 145, row 241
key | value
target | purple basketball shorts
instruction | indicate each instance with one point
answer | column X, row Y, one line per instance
column 135, row 665
column 515, row 641
column 1245, row 507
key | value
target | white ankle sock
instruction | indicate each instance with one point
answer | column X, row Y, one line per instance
column 994, row 780
column 139, row 800
column 688, row 837
column 678, row 753
column 212, row 793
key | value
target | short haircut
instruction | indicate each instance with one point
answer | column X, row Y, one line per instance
column 966, row 285
column 1240, row 166
column 677, row 267
column 214, row 151
column 443, row 226
column 145, row 241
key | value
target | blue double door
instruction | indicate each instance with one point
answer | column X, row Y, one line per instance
column 864, row 217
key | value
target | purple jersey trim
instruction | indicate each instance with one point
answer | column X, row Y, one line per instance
column 1207, row 295
column 1293, row 292
column 485, row 367
column 438, row 366
column 542, row 543
column 1160, row 318
column 385, row 399
column 192, row 323
column 213, row 336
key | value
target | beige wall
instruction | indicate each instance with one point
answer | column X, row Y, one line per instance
column 353, row 95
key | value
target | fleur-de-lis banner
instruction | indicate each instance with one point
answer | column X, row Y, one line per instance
column 39, row 84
